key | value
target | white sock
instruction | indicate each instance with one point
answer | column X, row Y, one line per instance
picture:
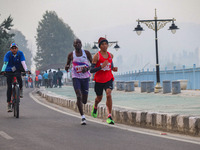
column 83, row 116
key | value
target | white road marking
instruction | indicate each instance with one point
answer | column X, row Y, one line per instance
column 5, row 135
column 117, row 126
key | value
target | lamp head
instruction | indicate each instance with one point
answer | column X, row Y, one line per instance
column 138, row 29
column 173, row 28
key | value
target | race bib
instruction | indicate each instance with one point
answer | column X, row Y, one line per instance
column 106, row 68
column 79, row 68
column 13, row 69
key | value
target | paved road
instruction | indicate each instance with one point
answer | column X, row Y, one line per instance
column 41, row 128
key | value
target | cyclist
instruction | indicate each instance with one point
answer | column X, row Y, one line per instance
column 14, row 62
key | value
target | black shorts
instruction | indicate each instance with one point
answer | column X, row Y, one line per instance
column 98, row 87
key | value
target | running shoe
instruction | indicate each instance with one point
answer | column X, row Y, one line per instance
column 9, row 107
column 94, row 112
column 83, row 121
column 110, row 120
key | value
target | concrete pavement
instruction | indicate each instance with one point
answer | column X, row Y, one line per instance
column 185, row 103
column 43, row 128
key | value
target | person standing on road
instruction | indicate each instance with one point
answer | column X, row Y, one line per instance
column 59, row 76
column 26, row 81
column 30, row 82
column 80, row 74
column 102, row 66
column 50, row 77
column 54, row 79
column 36, row 81
column 45, row 76
column 40, row 79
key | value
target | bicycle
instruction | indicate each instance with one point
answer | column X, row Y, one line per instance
column 15, row 96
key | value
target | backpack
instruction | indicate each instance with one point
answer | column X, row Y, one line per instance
column 21, row 68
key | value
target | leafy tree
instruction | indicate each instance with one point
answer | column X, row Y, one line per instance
column 5, row 37
column 54, row 41
column 21, row 41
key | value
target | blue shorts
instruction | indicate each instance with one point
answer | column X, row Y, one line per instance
column 81, row 84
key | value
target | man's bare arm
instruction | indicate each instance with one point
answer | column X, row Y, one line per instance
column 69, row 59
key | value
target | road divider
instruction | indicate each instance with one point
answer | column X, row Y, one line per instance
column 188, row 125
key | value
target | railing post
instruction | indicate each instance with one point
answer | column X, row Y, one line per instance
column 165, row 73
column 147, row 74
column 194, row 69
column 183, row 71
column 174, row 71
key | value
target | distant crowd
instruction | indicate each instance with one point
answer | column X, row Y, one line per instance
column 47, row 79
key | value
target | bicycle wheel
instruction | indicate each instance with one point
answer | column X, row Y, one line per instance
column 16, row 104
column 13, row 101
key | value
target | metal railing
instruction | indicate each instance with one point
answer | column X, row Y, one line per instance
column 192, row 75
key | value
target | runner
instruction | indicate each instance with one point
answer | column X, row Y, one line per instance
column 80, row 74
column 103, row 66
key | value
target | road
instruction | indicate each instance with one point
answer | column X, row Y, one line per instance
column 50, row 127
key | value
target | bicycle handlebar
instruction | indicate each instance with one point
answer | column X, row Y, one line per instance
column 14, row 73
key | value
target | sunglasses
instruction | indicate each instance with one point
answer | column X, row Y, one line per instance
column 13, row 47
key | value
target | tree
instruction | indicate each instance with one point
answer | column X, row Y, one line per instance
column 5, row 37
column 21, row 41
column 54, row 41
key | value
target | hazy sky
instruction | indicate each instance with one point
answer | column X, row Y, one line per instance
column 84, row 15
column 90, row 19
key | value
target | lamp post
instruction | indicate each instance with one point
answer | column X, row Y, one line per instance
column 116, row 47
column 156, row 24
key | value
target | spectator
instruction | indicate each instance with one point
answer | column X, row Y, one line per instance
column 40, row 79
column 26, row 81
column 55, row 79
column 59, row 76
column 45, row 76
column 50, row 76
column 36, row 81
column 30, row 82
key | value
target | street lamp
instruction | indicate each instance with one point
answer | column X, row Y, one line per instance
column 138, row 29
column 116, row 47
column 156, row 25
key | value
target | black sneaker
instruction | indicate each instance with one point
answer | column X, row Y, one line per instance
column 21, row 93
column 83, row 121
column 9, row 107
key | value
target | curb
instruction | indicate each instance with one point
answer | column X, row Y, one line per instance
column 159, row 121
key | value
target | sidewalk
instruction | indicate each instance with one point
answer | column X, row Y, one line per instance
column 186, row 103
